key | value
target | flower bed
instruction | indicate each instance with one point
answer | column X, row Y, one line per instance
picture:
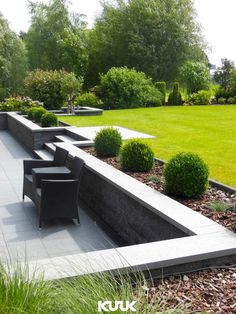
column 213, row 196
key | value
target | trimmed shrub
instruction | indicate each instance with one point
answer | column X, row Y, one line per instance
column 136, row 156
column 175, row 97
column 161, row 86
column 51, row 87
column 49, row 119
column 31, row 112
column 38, row 112
column 107, row 142
column 87, row 99
column 231, row 100
column 186, row 175
column 202, row 97
column 128, row 88
column 221, row 101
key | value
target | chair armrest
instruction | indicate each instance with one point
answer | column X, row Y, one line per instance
column 38, row 177
column 36, row 163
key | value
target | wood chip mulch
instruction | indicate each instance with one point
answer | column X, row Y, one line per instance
column 206, row 291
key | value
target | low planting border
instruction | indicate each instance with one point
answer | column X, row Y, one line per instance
column 27, row 132
column 194, row 241
column 207, row 244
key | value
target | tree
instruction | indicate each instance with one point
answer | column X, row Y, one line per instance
column 53, row 88
column 13, row 61
column 222, row 74
column 232, row 83
column 155, row 37
column 195, row 76
column 56, row 39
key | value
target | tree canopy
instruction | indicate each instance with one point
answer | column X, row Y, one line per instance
column 154, row 36
column 195, row 76
column 13, row 60
column 56, row 38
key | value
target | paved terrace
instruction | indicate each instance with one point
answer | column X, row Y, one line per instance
column 20, row 237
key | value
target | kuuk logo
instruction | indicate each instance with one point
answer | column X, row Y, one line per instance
column 107, row 306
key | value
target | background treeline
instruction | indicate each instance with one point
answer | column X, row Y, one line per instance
column 160, row 39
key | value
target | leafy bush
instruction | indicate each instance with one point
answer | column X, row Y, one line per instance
column 161, row 86
column 127, row 88
column 88, row 99
column 221, row 100
column 19, row 104
column 49, row 119
column 107, row 142
column 136, row 156
column 195, row 76
column 186, row 175
column 222, row 93
column 231, row 100
column 175, row 97
column 202, row 97
column 38, row 112
column 31, row 112
column 50, row 87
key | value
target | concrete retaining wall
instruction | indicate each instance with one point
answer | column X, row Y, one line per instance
column 129, row 219
column 30, row 134
column 3, row 121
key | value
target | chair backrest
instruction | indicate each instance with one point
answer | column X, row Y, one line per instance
column 60, row 156
column 77, row 167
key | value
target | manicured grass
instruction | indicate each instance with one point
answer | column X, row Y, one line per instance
column 209, row 131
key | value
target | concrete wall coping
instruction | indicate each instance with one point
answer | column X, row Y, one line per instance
column 33, row 126
column 172, row 211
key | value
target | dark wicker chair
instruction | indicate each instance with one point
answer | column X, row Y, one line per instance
column 59, row 160
column 58, row 198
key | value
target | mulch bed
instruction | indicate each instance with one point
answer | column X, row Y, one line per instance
column 208, row 291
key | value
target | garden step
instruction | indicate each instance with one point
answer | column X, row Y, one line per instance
column 50, row 147
column 78, row 143
column 43, row 154
column 64, row 138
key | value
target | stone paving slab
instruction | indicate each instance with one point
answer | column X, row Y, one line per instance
column 126, row 134
column 20, row 238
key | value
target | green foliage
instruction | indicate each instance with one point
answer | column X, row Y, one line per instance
column 38, row 112
column 221, row 101
column 88, row 99
column 231, row 100
column 56, row 38
column 222, row 93
column 232, row 83
column 186, row 175
column 155, row 37
column 175, row 97
column 136, row 156
column 13, row 61
column 49, row 119
column 202, row 97
column 161, row 86
column 107, row 142
column 154, row 179
column 23, row 293
column 19, row 104
column 70, row 87
column 31, row 112
column 218, row 206
column 127, row 88
column 223, row 73
column 195, row 76
column 53, row 88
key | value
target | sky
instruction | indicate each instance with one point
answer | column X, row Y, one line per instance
column 217, row 18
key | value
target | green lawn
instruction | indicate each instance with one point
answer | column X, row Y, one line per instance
column 209, row 131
